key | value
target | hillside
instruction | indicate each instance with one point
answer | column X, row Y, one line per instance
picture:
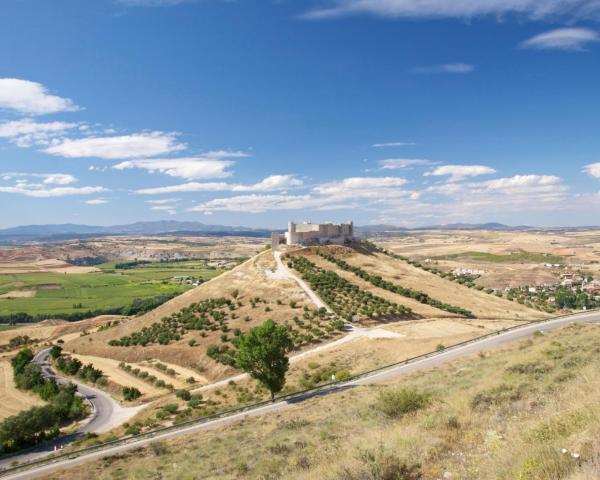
column 481, row 304
column 257, row 297
column 195, row 330
column 503, row 414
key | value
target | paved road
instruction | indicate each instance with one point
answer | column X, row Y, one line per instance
column 434, row 360
column 106, row 414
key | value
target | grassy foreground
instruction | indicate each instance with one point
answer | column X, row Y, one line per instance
column 529, row 411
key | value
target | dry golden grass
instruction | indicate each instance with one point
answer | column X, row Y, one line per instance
column 481, row 304
column 506, row 414
column 249, row 279
column 579, row 249
column 12, row 400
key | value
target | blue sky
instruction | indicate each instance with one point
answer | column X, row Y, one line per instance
column 256, row 112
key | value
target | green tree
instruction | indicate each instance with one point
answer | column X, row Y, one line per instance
column 262, row 353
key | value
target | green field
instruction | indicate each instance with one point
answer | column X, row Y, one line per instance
column 110, row 288
column 519, row 257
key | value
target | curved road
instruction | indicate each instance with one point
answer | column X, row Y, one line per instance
column 106, row 414
column 103, row 406
column 433, row 360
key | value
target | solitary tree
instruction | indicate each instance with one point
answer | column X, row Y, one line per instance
column 262, row 353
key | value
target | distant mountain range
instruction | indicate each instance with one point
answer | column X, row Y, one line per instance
column 171, row 228
column 70, row 230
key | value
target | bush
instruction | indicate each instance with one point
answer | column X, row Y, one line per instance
column 184, row 395
column 131, row 393
column 498, row 395
column 396, row 403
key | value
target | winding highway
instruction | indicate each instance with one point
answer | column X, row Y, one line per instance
column 106, row 414
column 422, row 363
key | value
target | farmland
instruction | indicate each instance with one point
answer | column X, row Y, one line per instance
column 105, row 289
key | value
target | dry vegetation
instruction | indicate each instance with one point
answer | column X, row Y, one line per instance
column 250, row 282
column 454, row 249
column 505, row 414
column 12, row 400
column 482, row 305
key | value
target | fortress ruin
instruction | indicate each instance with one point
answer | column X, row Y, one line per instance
column 314, row 234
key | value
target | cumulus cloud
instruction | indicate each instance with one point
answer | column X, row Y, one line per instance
column 191, row 168
column 450, row 68
column 393, row 144
column 270, row 183
column 460, row 172
column 563, row 39
column 532, row 9
column 31, row 98
column 592, row 169
column 353, row 192
column 520, row 183
column 117, row 147
column 400, row 163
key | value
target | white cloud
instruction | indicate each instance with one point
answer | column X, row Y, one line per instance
column 97, row 201
column 521, row 183
column 460, row 172
column 365, row 187
column 393, row 144
column 31, row 98
column 42, row 191
column 592, row 169
column 27, row 132
column 532, row 9
column 48, row 178
column 354, row 192
column 255, row 203
column 450, row 68
column 58, row 179
column 273, row 182
column 189, row 167
column 562, row 39
column 399, row 163
column 117, row 147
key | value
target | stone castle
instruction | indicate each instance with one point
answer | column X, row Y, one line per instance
column 314, row 234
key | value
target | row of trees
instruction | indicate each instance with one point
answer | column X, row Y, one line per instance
column 37, row 424
column 211, row 315
column 346, row 299
column 379, row 282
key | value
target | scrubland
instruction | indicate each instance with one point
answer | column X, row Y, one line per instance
column 527, row 411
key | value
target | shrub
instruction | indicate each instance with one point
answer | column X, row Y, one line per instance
column 396, row 403
column 497, row 395
column 131, row 393
column 184, row 395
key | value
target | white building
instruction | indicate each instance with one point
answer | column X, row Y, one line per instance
column 314, row 234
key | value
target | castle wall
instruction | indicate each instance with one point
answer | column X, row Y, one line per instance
column 315, row 233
